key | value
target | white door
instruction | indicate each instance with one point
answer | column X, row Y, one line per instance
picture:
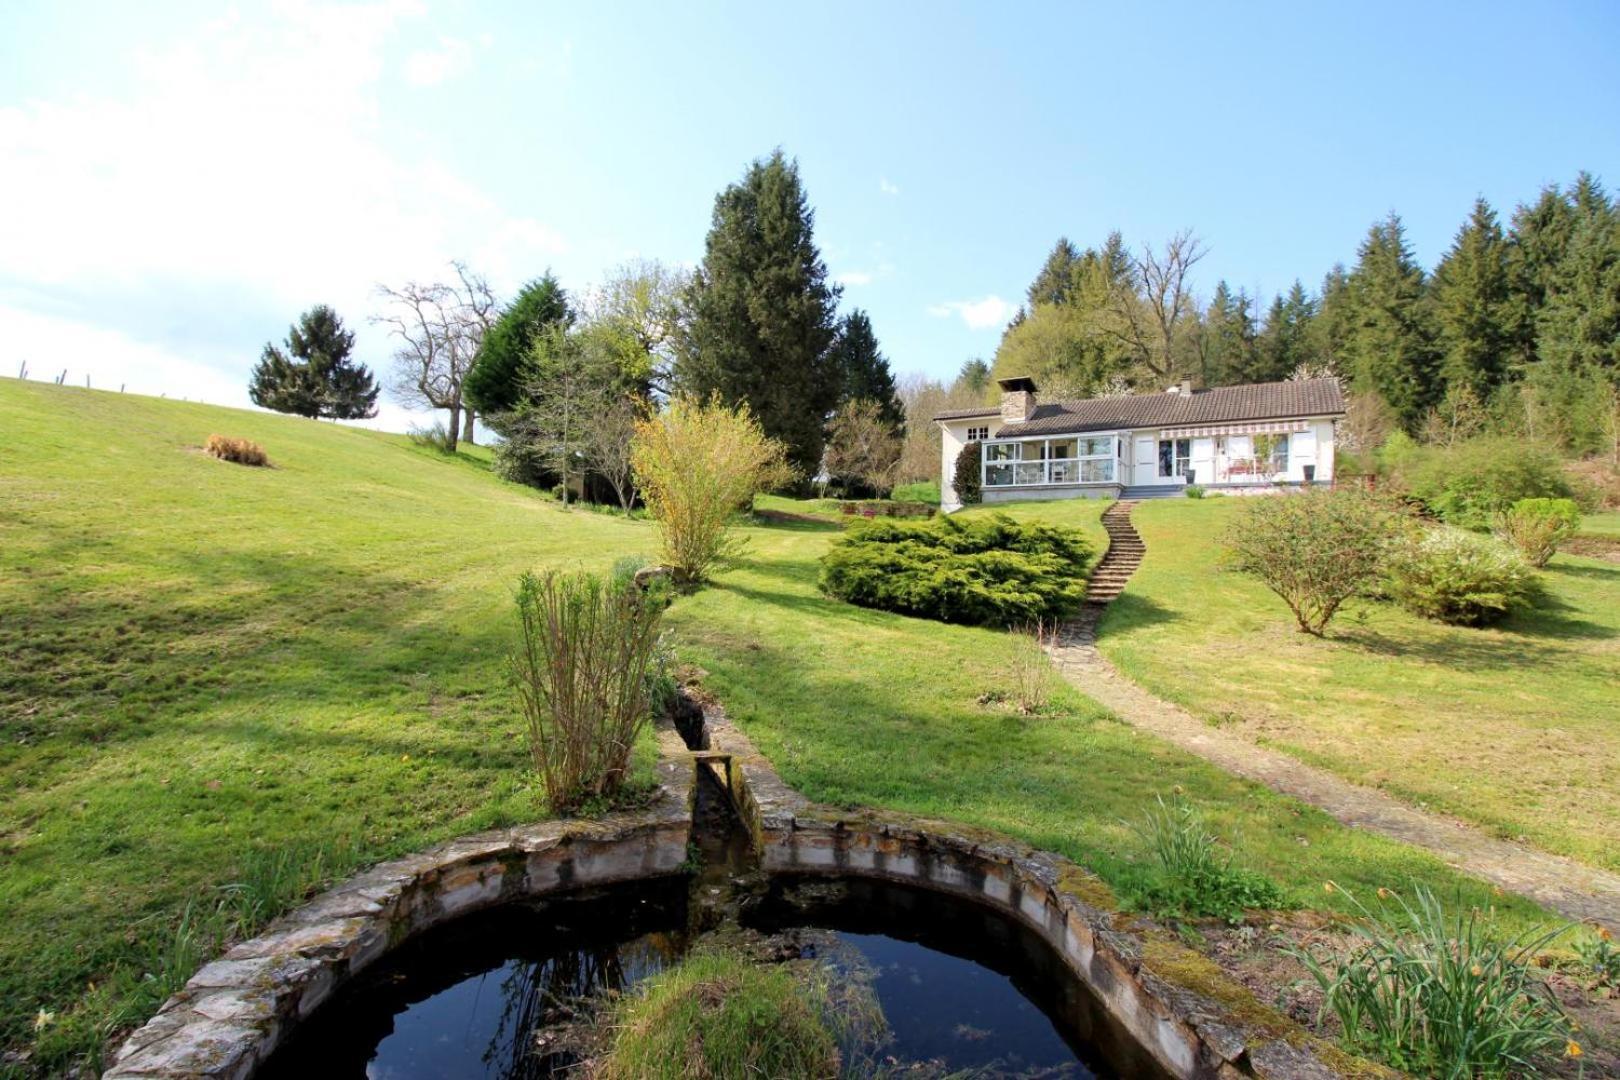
column 1145, row 464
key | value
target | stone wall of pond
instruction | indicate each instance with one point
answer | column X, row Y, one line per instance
column 235, row 1011
column 1186, row 1031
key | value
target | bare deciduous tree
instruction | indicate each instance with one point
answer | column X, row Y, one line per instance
column 1157, row 312
column 862, row 447
column 439, row 327
column 607, row 445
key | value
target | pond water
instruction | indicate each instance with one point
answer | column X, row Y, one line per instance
column 919, row 984
column 507, row 994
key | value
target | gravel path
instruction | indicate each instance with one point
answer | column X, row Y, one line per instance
column 1571, row 888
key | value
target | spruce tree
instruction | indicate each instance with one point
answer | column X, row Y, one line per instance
column 1288, row 340
column 500, row 372
column 1471, row 305
column 865, row 370
column 1056, row 282
column 762, row 312
column 1389, row 346
column 314, row 377
column 1578, row 326
column 1536, row 245
column 1228, row 340
column 974, row 377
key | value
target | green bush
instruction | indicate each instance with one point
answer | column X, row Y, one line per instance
column 1537, row 526
column 1469, row 484
column 966, row 478
column 1195, row 876
column 1440, row 994
column 1193, row 491
column 992, row 571
column 720, row 1016
column 1459, row 577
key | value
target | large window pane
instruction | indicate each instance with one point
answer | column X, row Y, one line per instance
column 1061, row 449
column 1030, row 472
column 998, row 475
column 1097, row 471
column 1006, row 451
column 1065, row 472
column 1097, row 447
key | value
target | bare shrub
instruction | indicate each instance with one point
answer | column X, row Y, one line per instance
column 585, row 671
column 697, row 464
column 240, row 451
column 1315, row 549
column 1032, row 667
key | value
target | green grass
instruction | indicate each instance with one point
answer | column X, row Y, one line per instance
column 1604, row 524
column 923, row 491
column 202, row 665
column 1515, row 728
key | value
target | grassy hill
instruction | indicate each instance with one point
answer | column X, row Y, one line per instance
column 219, row 685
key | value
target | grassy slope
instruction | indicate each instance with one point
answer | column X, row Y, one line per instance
column 198, row 660
column 1604, row 524
column 1516, row 728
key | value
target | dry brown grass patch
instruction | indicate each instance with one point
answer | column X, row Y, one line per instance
column 240, row 451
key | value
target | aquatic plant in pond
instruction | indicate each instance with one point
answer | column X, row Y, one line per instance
column 719, row 1015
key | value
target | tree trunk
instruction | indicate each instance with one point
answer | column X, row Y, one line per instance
column 467, row 427
column 455, row 425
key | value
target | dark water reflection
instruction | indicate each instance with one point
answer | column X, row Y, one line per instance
column 959, row 990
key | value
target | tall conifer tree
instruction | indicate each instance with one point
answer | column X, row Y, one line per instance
column 314, row 377
column 865, row 370
column 763, row 314
column 1471, row 303
column 1389, row 344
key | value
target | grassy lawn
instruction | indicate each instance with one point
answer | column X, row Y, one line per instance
column 1516, row 728
column 1604, row 524
column 202, row 663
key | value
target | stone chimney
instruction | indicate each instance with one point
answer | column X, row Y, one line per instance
column 1017, row 399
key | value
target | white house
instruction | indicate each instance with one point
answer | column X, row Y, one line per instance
column 1259, row 437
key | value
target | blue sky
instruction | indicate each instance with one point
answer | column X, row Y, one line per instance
column 180, row 182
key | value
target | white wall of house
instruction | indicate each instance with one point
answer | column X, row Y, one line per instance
column 954, row 436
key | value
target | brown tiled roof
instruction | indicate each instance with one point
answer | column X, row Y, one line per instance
column 963, row 414
column 1221, row 405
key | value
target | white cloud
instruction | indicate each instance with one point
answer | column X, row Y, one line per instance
column 242, row 162
column 430, row 67
column 983, row 314
column 886, row 187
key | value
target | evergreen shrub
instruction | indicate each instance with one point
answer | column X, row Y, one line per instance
column 988, row 571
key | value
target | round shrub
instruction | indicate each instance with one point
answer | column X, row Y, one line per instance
column 1459, row 577
column 717, row 1015
column 1537, row 526
column 989, row 571
column 1469, row 484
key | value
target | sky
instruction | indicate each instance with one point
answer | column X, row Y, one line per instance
column 179, row 180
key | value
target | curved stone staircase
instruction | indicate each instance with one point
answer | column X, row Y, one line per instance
column 1124, row 555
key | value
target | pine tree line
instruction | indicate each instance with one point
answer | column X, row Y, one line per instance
column 1517, row 328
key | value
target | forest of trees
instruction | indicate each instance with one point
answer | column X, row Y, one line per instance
column 1516, row 331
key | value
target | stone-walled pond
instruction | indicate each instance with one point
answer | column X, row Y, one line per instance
column 941, row 951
